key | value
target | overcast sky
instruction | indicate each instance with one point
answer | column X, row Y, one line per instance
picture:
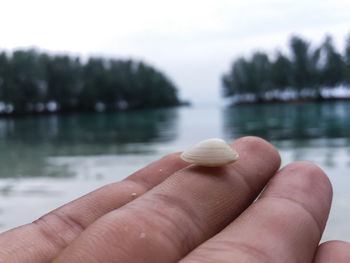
column 192, row 41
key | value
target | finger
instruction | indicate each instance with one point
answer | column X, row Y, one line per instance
column 180, row 213
column 333, row 251
column 42, row 240
column 284, row 225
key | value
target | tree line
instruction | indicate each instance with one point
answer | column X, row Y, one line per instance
column 302, row 74
column 32, row 81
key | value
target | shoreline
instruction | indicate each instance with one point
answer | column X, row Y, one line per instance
column 295, row 101
column 73, row 112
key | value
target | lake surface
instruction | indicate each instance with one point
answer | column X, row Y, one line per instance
column 46, row 161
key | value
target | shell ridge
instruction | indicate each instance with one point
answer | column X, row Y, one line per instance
column 212, row 152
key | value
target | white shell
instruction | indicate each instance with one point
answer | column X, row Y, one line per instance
column 211, row 153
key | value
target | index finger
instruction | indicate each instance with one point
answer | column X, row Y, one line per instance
column 43, row 239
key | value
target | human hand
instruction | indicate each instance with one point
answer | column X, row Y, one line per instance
column 170, row 211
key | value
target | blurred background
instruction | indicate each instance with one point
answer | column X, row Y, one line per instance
column 91, row 91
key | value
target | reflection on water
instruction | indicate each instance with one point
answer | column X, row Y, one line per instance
column 318, row 132
column 102, row 129
column 296, row 123
column 27, row 142
column 49, row 160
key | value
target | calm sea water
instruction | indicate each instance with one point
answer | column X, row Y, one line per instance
column 47, row 161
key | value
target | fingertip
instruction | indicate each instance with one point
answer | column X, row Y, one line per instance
column 267, row 153
column 306, row 185
column 333, row 251
column 308, row 167
column 311, row 178
column 332, row 244
column 159, row 170
column 171, row 157
column 174, row 159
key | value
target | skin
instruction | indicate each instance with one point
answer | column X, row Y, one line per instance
column 185, row 213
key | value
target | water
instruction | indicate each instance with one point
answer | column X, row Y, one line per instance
column 47, row 161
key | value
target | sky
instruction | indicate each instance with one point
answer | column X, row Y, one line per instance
column 192, row 41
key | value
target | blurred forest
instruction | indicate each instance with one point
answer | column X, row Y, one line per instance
column 306, row 73
column 35, row 82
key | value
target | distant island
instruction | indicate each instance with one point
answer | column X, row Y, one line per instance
column 307, row 73
column 33, row 82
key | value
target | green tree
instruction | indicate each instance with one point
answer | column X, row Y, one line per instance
column 260, row 74
column 248, row 76
column 300, row 59
column 29, row 80
column 63, row 80
column 3, row 73
column 333, row 71
column 307, row 70
column 347, row 60
column 94, row 85
column 281, row 70
column 25, row 82
column 236, row 82
column 154, row 88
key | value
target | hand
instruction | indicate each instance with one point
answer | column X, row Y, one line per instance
column 170, row 211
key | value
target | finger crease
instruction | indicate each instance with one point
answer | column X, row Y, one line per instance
column 302, row 206
column 141, row 182
column 247, row 184
column 224, row 246
column 57, row 235
column 189, row 232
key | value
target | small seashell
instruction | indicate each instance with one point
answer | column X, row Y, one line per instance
column 210, row 153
